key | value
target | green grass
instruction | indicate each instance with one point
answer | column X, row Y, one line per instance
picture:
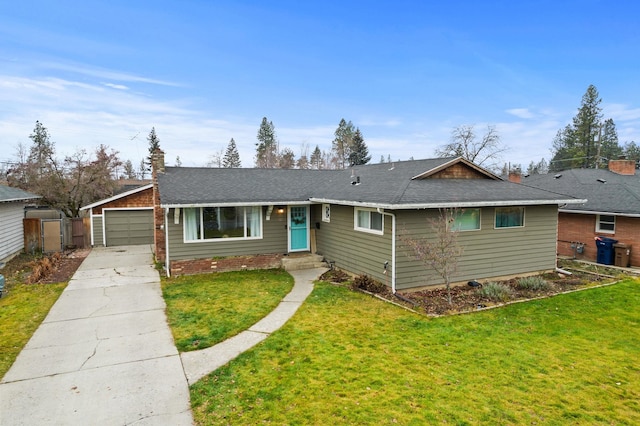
column 346, row 358
column 206, row 309
column 22, row 308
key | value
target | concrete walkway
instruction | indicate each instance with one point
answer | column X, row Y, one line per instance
column 198, row 364
column 104, row 354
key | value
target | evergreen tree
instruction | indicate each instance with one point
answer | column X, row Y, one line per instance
column 42, row 150
column 178, row 161
column 608, row 148
column 632, row 151
column 587, row 139
column 343, row 142
column 316, row 158
column 267, row 146
column 359, row 154
column 142, row 169
column 154, row 143
column 287, row 159
column 539, row 168
column 231, row 158
column 381, row 159
column 129, row 171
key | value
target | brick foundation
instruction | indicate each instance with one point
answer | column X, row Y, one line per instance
column 235, row 263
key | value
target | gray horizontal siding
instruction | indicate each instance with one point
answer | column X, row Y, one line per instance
column 355, row 251
column 96, row 228
column 488, row 252
column 11, row 228
column 274, row 240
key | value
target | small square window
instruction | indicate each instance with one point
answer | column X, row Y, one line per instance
column 509, row 217
column 466, row 220
column 606, row 224
column 368, row 221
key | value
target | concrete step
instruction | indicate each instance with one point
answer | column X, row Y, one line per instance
column 302, row 261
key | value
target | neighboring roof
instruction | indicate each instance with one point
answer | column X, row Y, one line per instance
column 399, row 185
column 126, row 185
column 10, row 194
column 118, row 196
column 605, row 191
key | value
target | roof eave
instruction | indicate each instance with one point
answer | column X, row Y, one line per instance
column 599, row 212
column 13, row 200
column 234, row 204
column 450, row 204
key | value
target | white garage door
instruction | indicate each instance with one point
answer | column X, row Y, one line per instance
column 128, row 227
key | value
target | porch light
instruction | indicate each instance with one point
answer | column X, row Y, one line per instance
column 280, row 209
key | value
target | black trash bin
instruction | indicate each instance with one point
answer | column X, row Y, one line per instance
column 605, row 250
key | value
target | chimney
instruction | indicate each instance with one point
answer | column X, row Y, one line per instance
column 157, row 166
column 623, row 167
column 157, row 161
column 515, row 176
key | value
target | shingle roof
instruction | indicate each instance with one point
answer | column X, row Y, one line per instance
column 8, row 194
column 606, row 191
column 388, row 185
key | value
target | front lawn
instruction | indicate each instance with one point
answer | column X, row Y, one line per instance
column 22, row 308
column 206, row 309
column 347, row 358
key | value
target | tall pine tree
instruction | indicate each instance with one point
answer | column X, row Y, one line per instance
column 316, row 158
column 359, row 154
column 154, row 143
column 342, row 143
column 267, row 146
column 588, row 139
column 231, row 156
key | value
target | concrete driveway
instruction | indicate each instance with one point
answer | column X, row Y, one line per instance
column 104, row 354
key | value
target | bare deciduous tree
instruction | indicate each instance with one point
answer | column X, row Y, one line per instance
column 441, row 252
column 464, row 143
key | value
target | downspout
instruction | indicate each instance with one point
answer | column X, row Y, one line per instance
column 393, row 247
column 166, row 241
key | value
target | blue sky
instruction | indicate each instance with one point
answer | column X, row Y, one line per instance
column 405, row 72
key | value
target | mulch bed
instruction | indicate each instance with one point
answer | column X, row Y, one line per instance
column 47, row 269
column 465, row 298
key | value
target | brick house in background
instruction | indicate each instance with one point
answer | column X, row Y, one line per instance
column 612, row 209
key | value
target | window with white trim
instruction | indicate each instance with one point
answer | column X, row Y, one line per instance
column 213, row 223
column 367, row 220
column 466, row 220
column 509, row 217
column 606, row 223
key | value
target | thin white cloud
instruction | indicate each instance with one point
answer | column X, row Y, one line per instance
column 116, row 86
column 521, row 113
column 105, row 74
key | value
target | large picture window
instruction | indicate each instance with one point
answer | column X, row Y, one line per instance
column 606, row 224
column 368, row 221
column 210, row 223
column 509, row 217
column 466, row 220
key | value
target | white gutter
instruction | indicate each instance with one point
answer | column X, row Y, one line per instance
column 599, row 212
column 444, row 205
column 237, row 204
column 393, row 248
column 166, row 242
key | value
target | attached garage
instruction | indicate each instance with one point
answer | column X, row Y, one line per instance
column 124, row 219
column 128, row 227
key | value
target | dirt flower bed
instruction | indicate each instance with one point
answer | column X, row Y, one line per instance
column 45, row 269
column 465, row 298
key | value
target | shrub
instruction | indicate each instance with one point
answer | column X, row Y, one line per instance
column 365, row 282
column 496, row 292
column 534, row 283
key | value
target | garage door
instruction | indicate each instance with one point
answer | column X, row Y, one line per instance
column 128, row 227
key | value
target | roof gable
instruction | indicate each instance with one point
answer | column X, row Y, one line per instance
column 118, row 196
column 458, row 168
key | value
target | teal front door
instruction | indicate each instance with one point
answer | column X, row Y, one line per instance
column 299, row 228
